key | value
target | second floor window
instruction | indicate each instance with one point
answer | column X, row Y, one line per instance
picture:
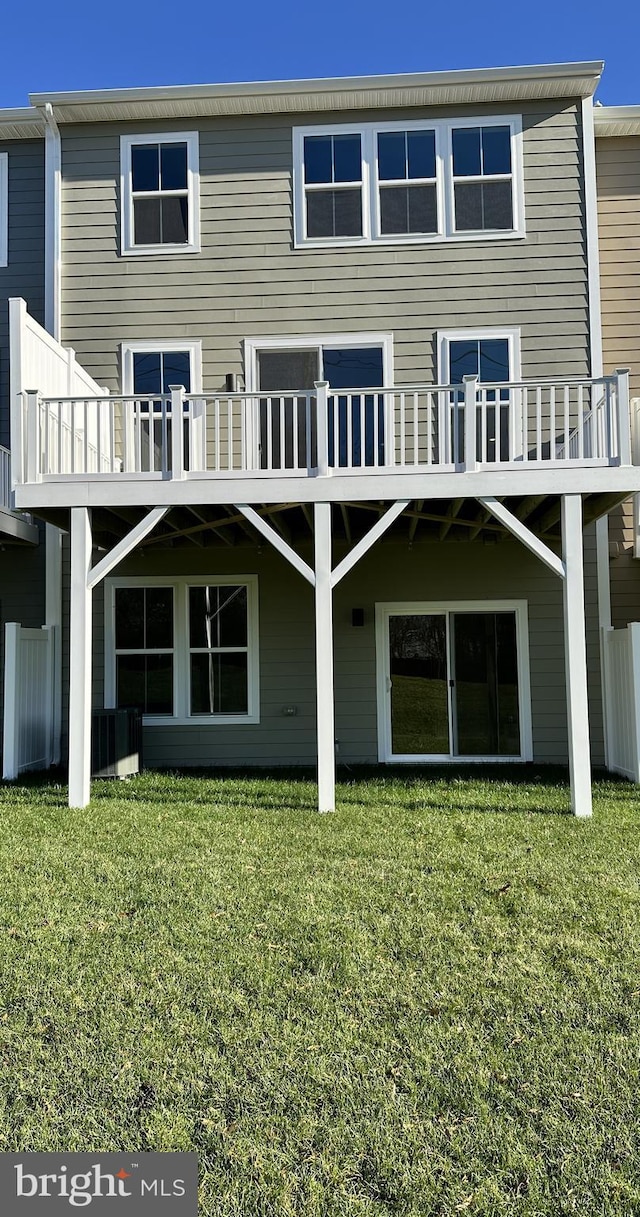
column 159, row 183
column 413, row 181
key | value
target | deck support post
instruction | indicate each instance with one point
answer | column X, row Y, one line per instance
column 575, row 654
column 324, row 659
column 80, row 660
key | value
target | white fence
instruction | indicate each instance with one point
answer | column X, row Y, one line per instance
column 621, row 654
column 39, row 362
column 28, row 699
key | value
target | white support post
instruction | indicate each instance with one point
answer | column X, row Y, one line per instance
column 575, row 654
column 33, row 435
column 322, row 426
column 177, row 431
column 470, row 405
column 80, row 660
column 324, row 659
column 624, row 416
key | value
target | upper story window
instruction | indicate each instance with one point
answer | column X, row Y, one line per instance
column 417, row 181
column 4, row 208
column 160, row 193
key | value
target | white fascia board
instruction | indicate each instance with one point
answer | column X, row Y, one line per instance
column 420, row 88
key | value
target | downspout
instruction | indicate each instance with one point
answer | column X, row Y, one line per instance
column 52, row 293
column 596, row 369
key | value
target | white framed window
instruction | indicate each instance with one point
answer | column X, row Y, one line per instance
column 184, row 648
column 159, row 192
column 423, row 180
column 4, row 208
column 493, row 355
column 150, row 367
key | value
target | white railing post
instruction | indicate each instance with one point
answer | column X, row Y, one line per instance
column 177, row 431
column 624, row 416
column 33, row 435
column 470, row 404
column 322, row 426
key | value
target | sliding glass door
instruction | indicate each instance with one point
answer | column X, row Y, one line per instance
column 451, row 682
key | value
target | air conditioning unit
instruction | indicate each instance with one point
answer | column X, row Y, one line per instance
column 116, row 742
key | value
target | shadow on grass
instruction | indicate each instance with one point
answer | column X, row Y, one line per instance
column 489, row 789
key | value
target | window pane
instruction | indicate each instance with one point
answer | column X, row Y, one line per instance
column 466, row 151
column 496, row 150
column 287, row 370
column 334, row 213
column 317, row 158
column 419, row 700
column 176, row 370
column 494, row 359
column 423, row 209
column 147, row 375
column 145, row 166
column 173, row 166
column 392, row 157
column 129, row 617
column 347, row 158
column 219, row 684
column 353, row 368
column 348, row 213
column 320, row 213
column 145, row 681
column 468, row 197
column 422, row 153
column 497, row 205
column 394, row 209
column 463, row 360
column 159, row 617
column 218, row 616
column 175, row 221
column 146, row 221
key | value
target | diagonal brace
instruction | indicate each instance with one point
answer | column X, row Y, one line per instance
column 124, row 547
column 277, row 540
column 368, row 540
column 525, row 535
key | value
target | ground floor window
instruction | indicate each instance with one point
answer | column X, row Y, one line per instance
column 183, row 649
column 453, row 681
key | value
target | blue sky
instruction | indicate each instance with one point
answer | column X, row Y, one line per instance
column 74, row 44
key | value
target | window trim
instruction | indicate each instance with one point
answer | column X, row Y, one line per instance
column 127, row 142
column 384, row 610
column 4, row 208
column 444, row 183
column 180, row 585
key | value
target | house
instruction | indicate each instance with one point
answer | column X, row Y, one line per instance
column 334, row 445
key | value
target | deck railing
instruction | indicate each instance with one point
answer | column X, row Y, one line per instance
column 320, row 431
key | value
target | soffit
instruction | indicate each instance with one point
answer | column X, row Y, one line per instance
column 616, row 120
column 482, row 85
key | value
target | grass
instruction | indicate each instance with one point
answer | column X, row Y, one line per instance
column 423, row 1005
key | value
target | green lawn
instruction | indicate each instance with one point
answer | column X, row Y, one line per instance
column 425, row 1004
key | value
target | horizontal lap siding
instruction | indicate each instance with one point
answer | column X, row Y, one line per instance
column 391, row 572
column 618, row 169
column 249, row 281
column 24, row 276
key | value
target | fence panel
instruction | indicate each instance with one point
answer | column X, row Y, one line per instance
column 28, row 699
column 621, row 651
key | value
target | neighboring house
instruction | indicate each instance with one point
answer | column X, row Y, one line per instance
column 371, row 307
column 22, row 273
column 618, row 175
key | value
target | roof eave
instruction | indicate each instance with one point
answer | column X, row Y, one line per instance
column 616, row 121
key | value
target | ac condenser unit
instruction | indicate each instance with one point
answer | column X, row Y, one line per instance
column 116, row 742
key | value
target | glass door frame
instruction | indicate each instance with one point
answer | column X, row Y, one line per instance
column 384, row 611
column 287, row 342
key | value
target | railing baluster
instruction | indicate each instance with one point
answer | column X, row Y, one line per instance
column 216, row 433
column 552, row 422
column 403, row 439
column 565, row 446
column 538, row 423
column 336, row 430
column 376, row 428
column 283, row 437
column 243, row 434
column 269, row 434
column 350, row 432
column 580, row 422
column 416, row 433
column 230, row 455
column 307, row 430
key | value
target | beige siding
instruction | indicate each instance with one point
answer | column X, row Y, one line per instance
column 249, row 281
column 391, row 572
column 618, row 168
